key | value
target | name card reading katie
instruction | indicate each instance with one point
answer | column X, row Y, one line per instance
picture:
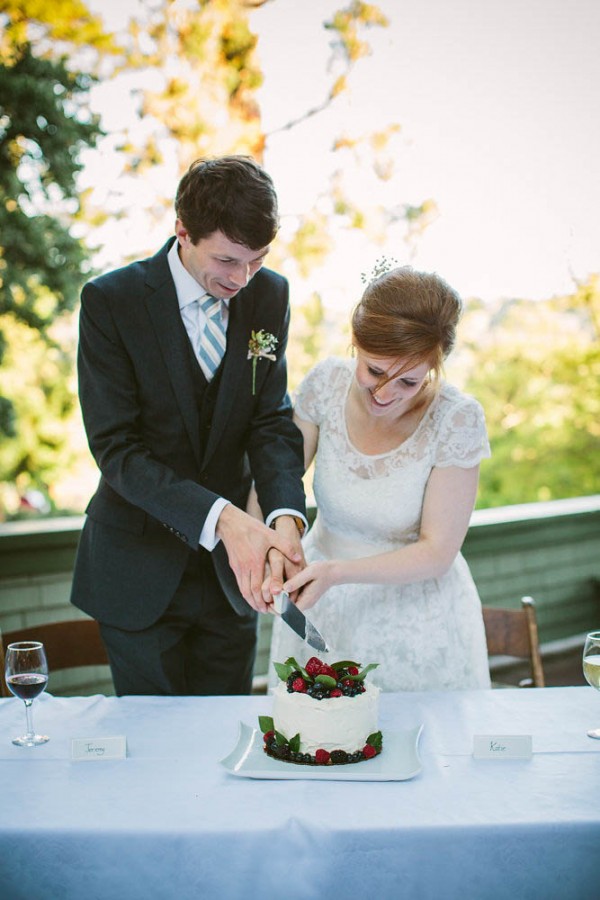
column 99, row 748
column 502, row 746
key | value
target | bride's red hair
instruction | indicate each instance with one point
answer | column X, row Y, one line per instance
column 409, row 315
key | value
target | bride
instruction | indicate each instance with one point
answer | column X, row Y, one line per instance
column 397, row 452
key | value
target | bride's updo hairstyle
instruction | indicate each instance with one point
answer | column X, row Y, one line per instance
column 408, row 315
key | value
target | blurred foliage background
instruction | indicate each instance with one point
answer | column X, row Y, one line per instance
column 195, row 73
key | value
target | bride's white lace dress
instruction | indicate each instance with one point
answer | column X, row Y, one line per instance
column 427, row 635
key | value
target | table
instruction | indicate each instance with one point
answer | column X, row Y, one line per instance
column 170, row 822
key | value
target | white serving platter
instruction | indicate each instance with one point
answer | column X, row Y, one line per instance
column 399, row 760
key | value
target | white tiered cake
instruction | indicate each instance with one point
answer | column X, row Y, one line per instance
column 323, row 714
column 336, row 723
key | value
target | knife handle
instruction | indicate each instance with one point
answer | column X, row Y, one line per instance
column 278, row 602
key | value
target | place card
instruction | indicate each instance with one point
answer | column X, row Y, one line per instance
column 99, row 748
column 502, row 746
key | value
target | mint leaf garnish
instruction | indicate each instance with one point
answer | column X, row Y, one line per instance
column 375, row 740
column 265, row 724
column 365, row 671
column 327, row 680
column 283, row 670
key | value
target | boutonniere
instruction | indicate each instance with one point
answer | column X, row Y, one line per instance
column 260, row 346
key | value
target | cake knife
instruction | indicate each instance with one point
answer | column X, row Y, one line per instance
column 298, row 622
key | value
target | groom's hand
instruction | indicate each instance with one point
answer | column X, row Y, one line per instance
column 247, row 542
column 281, row 567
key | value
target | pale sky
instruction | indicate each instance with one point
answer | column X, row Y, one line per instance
column 498, row 102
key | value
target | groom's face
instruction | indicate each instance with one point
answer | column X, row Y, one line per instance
column 219, row 265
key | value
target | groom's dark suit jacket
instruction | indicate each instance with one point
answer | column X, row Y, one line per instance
column 167, row 445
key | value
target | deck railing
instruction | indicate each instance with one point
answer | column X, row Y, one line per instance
column 550, row 551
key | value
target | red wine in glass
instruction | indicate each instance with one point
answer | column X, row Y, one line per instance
column 26, row 676
column 27, row 687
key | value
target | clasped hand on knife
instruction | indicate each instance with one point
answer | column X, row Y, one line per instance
column 251, row 547
column 304, row 583
column 280, row 568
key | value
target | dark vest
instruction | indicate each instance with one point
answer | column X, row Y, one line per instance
column 205, row 394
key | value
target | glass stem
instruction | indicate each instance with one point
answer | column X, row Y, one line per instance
column 28, row 713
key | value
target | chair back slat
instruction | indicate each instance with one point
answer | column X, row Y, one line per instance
column 68, row 645
column 514, row 632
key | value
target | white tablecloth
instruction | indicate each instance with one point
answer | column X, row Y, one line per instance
column 170, row 822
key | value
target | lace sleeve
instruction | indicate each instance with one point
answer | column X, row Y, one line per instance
column 310, row 400
column 463, row 439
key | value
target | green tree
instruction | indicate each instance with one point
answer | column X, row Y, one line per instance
column 204, row 60
column 202, row 64
column 44, row 124
column 535, row 367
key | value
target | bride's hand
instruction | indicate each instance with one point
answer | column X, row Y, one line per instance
column 312, row 582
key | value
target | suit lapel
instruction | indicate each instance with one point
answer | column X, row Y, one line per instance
column 163, row 309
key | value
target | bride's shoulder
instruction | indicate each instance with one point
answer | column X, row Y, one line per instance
column 331, row 370
column 461, row 429
column 451, row 399
column 320, row 386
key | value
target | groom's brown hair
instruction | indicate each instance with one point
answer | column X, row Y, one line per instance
column 231, row 194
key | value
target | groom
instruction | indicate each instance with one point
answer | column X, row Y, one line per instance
column 181, row 418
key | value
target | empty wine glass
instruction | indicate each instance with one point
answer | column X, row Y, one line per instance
column 26, row 676
column 591, row 668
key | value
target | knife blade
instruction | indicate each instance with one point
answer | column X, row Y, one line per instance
column 297, row 621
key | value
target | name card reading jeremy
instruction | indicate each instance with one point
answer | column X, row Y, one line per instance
column 99, row 748
column 502, row 746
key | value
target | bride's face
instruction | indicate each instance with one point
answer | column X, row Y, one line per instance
column 393, row 397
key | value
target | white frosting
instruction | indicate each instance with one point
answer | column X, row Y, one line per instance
column 337, row 723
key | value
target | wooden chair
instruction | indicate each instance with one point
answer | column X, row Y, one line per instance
column 513, row 632
column 68, row 645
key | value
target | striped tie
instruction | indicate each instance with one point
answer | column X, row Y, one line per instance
column 212, row 340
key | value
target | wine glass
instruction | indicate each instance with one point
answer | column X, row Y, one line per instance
column 591, row 668
column 26, row 676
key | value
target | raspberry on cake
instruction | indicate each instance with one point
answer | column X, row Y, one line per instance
column 323, row 714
